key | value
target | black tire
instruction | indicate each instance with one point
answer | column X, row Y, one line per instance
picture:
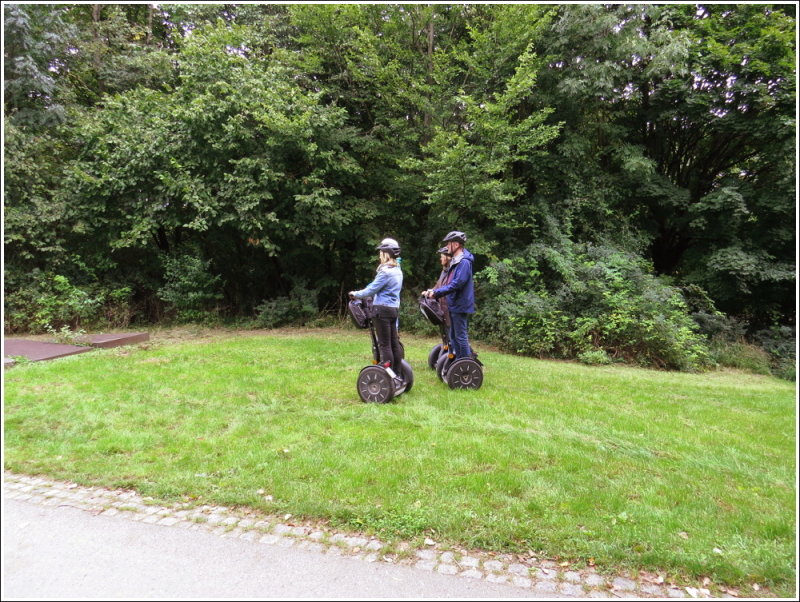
column 433, row 356
column 408, row 375
column 464, row 373
column 442, row 364
column 374, row 385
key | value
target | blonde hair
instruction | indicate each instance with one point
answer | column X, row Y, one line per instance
column 387, row 259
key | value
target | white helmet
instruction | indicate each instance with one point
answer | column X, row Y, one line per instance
column 390, row 246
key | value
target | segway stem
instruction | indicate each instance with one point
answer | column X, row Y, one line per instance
column 376, row 354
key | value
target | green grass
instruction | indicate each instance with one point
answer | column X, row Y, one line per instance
column 690, row 474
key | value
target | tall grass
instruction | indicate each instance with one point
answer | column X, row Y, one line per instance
column 693, row 474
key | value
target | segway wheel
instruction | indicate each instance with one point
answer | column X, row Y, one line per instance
column 433, row 356
column 442, row 365
column 374, row 385
column 464, row 373
column 408, row 375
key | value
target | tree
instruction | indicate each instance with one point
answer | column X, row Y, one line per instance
column 677, row 119
column 114, row 48
column 34, row 38
column 238, row 165
column 470, row 167
column 275, row 145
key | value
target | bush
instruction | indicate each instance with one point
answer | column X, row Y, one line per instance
column 577, row 299
column 598, row 357
column 190, row 289
column 740, row 355
column 298, row 308
column 411, row 319
column 67, row 336
column 46, row 301
column 767, row 351
column 118, row 307
column 780, row 342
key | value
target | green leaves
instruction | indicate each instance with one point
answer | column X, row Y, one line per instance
column 280, row 142
column 588, row 302
column 470, row 164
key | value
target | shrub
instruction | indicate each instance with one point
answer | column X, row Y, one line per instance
column 118, row 307
column 740, row 355
column 767, row 351
column 46, row 301
column 190, row 289
column 780, row 343
column 569, row 300
column 67, row 336
column 65, row 305
column 299, row 307
column 598, row 357
column 411, row 318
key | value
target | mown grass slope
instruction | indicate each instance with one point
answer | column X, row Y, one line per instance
column 692, row 474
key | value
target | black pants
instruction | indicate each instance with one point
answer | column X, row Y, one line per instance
column 389, row 347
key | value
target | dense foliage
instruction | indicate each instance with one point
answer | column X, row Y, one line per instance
column 588, row 301
column 203, row 162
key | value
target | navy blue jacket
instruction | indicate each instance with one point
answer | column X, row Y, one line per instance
column 459, row 291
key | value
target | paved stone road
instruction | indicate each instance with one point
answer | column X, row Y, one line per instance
column 537, row 577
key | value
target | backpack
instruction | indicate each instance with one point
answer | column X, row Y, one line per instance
column 432, row 311
column 360, row 312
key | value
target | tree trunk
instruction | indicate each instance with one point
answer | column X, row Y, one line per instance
column 427, row 118
column 97, row 59
column 150, row 11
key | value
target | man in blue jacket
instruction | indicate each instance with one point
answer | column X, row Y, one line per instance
column 460, row 293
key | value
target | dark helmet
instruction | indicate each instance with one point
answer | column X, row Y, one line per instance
column 390, row 246
column 455, row 236
column 445, row 251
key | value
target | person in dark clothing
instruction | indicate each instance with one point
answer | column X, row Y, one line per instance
column 385, row 293
column 460, row 293
column 445, row 256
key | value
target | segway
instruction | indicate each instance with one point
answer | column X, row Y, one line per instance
column 377, row 383
column 433, row 312
column 462, row 373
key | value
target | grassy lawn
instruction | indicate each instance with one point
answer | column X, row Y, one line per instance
column 690, row 474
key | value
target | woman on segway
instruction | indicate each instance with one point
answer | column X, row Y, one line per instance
column 385, row 293
column 436, row 310
column 445, row 256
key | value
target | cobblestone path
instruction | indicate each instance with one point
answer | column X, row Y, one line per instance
column 543, row 577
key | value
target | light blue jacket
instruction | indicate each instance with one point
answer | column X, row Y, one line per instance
column 385, row 289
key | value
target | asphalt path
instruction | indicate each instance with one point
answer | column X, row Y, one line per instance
column 61, row 552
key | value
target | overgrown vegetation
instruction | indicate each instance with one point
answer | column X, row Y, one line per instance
column 239, row 162
column 588, row 301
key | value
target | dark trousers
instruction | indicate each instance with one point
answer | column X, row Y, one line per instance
column 459, row 340
column 388, row 340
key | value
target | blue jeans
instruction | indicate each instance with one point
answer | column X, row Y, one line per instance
column 459, row 341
